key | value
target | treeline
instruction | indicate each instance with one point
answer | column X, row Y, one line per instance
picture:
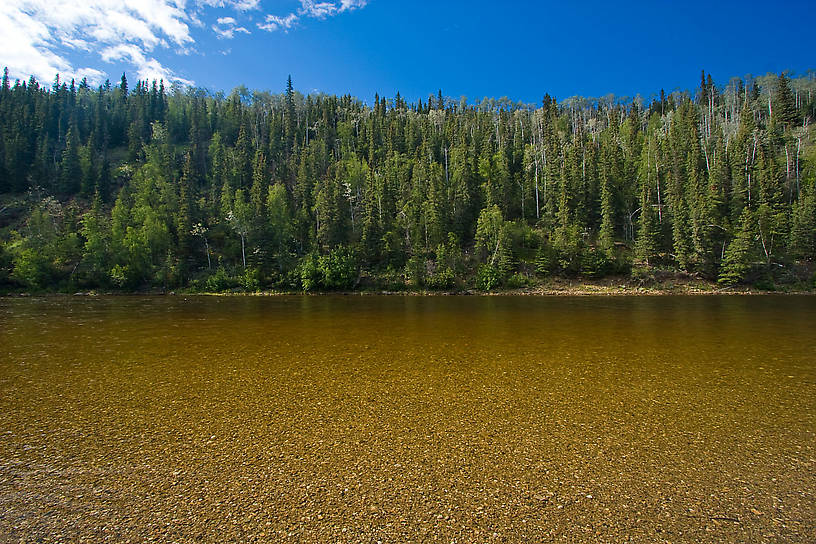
column 145, row 187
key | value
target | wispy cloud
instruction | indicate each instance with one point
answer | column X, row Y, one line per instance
column 226, row 27
column 348, row 5
column 273, row 22
column 309, row 9
column 240, row 5
column 318, row 10
column 146, row 68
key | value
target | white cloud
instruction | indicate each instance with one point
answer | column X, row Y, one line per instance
column 239, row 5
column 318, row 10
column 273, row 22
column 349, row 5
column 37, row 33
column 310, row 9
column 146, row 68
column 226, row 28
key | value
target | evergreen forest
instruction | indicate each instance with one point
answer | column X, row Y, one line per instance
column 140, row 187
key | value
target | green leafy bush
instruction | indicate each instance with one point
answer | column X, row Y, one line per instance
column 546, row 261
column 250, row 281
column 517, row 281
column 441, row 279
column 488, row 277
column 415, row 270
column 337, row 270
column 594, row 263
column 220, row 281
column 31, row 268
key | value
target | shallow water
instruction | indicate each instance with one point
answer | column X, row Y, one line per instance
column 349, row 418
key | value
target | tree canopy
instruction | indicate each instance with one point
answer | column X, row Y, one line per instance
column 135, row 187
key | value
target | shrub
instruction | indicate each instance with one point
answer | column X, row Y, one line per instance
column 488, row 277
column 31, row 268
column 517, row 281
column 765, row 283
column 546, row 261
column 337, row 270
column 249, row 280
column 220, row 281
column 309, row 272
column 415, row 270
column 594, row 263
column 441, row 279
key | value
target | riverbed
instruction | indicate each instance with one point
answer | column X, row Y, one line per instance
column 397, row 419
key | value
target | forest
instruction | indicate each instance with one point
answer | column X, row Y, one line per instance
column 144, row 188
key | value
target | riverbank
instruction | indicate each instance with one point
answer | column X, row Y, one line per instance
column 554, row 287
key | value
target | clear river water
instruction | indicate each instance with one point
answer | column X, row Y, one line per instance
column 408, row 419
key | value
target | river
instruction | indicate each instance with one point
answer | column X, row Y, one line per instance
column 395, row 419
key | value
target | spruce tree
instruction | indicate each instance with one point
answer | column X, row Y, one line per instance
column 737, row 261
column 70, row 168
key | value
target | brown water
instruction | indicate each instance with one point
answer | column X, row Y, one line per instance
column 395, row 419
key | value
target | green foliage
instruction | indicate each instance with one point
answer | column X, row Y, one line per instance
column 220, row 281
column 339, row 269
column 569, row 247
column 324, row 192
column 737, row 261
column 517, row 281
column 441, row 279
column 547, row 261
column 595, row 263
column 765, row 283
column 250, row 280
column 449, row 264
column 415, row 270
column 803, row 229
column 6, row 264
column 488, row 277
column 335, row 271
column 32, row 269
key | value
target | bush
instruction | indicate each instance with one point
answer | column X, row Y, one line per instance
column 441, row 279
column 309, row 272
column 31, row 268
column 594, row 263
column 488, row 277
column 5, row 265
column 765, row 284
column 546, row 261
column 415, row 270
column 220, row 281
column 517, row 281
column 392, row 279
column 337, row 270
column 249, row 280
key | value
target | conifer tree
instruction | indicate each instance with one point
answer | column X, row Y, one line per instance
column 70, row 168
column 737, row 261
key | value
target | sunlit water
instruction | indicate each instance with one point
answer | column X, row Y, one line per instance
column 408, row 419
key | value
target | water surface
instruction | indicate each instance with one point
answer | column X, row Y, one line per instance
column 349, row 419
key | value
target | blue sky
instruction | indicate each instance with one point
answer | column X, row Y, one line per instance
column 473, row 48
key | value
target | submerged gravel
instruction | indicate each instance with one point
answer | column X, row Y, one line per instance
column 407, row 420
